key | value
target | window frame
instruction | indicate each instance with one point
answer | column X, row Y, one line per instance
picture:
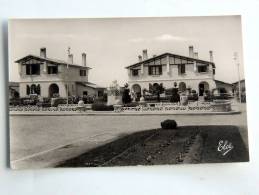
column 82, row 72
column 30, row 71
column 155, row 70
column 199, row 68
column 181, row 69
column 134, row 71
column 51, row 68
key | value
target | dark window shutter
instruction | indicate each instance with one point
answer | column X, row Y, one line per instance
column 38, row 89
column 28, row 90
column 183, row 68
column 160, row 69
column 149, row 70
column 28, row 69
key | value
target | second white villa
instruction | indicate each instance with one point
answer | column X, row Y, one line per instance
column 170, row 69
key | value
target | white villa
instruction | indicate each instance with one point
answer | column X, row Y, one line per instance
column 170, row 69
column 48, row 77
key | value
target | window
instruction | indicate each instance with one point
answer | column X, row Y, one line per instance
column 181, row 69
column 52, row 69
column 135, row 72
column 32, row 69
column 100, row 93
column 82, row 72
column 33, row 89
column 155, row 70
column 202, row 68
column 85, row 93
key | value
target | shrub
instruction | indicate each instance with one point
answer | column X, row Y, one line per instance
column 28, row 101
column 56, row 101
column 175, row 98
column 193, row 96
column 126, row 96
column 132, row 104
column 43, row 104
column 15, row 101
column 169, row 124
column 102, row 107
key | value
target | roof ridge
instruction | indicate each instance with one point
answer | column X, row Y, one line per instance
column 168, row 53
column 53, row 60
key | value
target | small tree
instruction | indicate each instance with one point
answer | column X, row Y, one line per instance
column 157, row 90
column 126, row 94
column 175, row 96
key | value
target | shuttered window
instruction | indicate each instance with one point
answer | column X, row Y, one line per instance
column 82, row 73
column 155, row 70
column 181, row 69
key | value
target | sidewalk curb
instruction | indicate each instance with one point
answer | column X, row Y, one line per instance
column 101, row 113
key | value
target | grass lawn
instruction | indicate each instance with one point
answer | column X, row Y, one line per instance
column 186, row 144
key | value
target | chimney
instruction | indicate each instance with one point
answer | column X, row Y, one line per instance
column 140, row 58
column 70, row 58
column 43, row 53
column 195, row 55
column 191, row 51
column 211, row 56
column 84, row 59
column 144, row 53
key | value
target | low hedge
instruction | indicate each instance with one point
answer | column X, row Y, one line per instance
column 132, row 104
column 101, row 107
column 169, row 124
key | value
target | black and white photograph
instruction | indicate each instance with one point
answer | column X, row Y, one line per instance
column 109, row 92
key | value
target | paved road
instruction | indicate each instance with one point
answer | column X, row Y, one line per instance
column 39, row 141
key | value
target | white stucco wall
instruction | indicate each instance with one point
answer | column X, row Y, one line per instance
column 44, row 88
column 64, row 74
column 90, row 91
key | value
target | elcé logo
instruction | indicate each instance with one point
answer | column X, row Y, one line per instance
column 225, row 146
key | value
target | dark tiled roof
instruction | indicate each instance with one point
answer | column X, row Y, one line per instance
column 91, row 85
column 223, row 82
column 171, row 55
column 242, row 80
column 55, row 61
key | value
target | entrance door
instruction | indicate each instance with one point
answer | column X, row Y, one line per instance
column 53, row 90
column 201, row 89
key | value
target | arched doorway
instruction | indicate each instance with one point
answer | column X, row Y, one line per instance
column 33, row 89
column 182, row 87
column 203, row 86
column 53, row 90
column 137, row 90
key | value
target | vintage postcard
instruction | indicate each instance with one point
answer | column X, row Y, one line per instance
column 126, row 91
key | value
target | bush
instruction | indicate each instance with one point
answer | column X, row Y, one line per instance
column 126, row 96
column 89, row 99
column 132, row 104
column 28, row 101
column 102, row 107
column 15, row 102
column 169, row 124
column 175, row 98
column 221, row 97
column 43, row 104
column 56, row 101
column 193, row 96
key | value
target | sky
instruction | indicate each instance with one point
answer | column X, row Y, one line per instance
column 112, row 44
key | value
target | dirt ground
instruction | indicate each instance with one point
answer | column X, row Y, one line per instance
column 186, row 144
